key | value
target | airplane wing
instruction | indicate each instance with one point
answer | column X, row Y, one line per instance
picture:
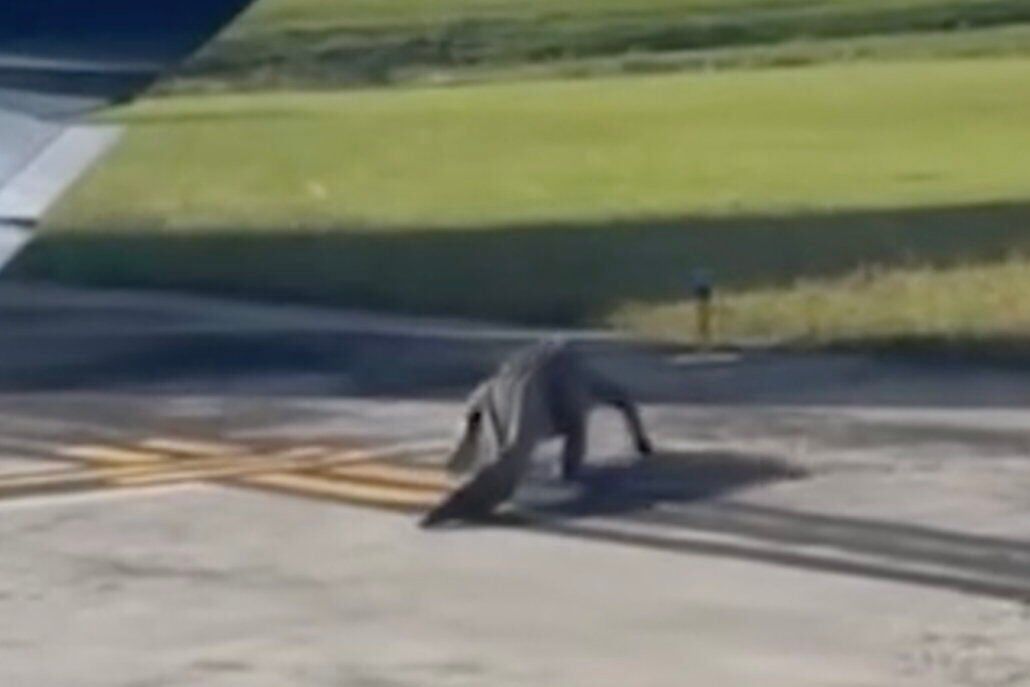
column 62, row 59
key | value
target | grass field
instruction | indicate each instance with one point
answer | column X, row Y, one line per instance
column 828, row 201
column 339, row 42
column 879, row 192
column 821, row 139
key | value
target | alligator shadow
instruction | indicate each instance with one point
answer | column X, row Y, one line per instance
column 666, row 477
column 672, row 503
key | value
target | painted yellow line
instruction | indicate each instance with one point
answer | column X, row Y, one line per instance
column 302, row 452
column 191, row 447
column 344, row 492
column 392, row 476
column 354, row 476
column 92, row 460
column 15, row 475
column 111, row 455
column 188, row 471
column 223, row 468
column 100, row 475
column 50, row 481
column 139, row 476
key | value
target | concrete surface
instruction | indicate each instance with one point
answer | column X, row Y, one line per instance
column 184, row 587
column 835, row 520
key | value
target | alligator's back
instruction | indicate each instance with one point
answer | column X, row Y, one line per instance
column 527, row 395
column 539, row 393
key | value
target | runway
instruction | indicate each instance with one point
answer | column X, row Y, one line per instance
column 205, row 492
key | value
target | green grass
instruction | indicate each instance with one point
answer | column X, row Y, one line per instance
column 984, row 302
column 831, row 203
column 336, row 42
column 822, row 139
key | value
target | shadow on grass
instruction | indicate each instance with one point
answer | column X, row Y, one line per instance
column 557, row 274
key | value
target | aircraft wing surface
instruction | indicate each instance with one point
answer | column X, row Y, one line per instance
column 62, row 59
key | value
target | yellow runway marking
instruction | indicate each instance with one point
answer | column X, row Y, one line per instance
column 346, row 492
column 48, row 481
column 110, row 455
column 224, row 468
column 191, row 447
column 112, row 476
column 392, row 476
column 360, row 476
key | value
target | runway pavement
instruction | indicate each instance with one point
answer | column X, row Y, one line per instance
column 203, row 492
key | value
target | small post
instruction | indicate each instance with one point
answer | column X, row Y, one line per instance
column 703, row 292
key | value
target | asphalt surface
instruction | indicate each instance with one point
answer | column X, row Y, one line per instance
column 180, row 506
